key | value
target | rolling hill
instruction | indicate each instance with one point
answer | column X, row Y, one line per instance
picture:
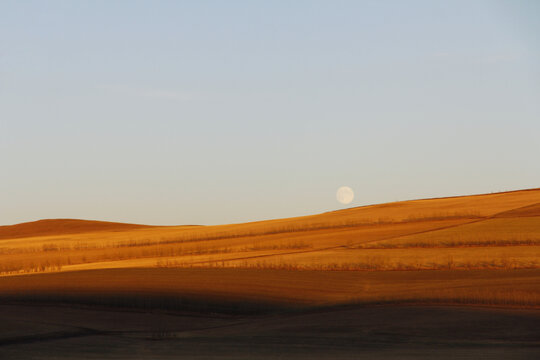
column 61, row 227
column 488, row 245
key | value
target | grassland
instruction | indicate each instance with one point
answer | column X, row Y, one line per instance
column 497, row 235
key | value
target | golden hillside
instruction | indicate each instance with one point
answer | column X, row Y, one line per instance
column 488, row 245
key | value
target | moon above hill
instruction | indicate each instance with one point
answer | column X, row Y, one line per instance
column 345, row 195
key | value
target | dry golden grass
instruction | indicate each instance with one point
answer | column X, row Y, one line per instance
column 492, row 232
column 396, row 259
column 449, row 222
column 46, row 253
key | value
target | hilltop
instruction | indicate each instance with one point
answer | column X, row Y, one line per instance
column 47, row 227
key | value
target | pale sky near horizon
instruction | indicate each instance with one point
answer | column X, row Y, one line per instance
column 209, row 112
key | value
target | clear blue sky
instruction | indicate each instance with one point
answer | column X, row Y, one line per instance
column 206, row 112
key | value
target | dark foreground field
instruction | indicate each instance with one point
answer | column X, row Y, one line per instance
column 374, row 332
column 253, row 314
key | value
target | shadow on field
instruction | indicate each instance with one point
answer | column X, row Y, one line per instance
column 54, row 331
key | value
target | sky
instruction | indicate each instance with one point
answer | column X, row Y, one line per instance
column 213, row 112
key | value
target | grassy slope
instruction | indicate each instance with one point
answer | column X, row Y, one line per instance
column 489, row 236
column 61, row 227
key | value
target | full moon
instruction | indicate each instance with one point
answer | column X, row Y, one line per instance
column 345, row 195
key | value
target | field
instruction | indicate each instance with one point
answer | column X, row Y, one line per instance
column 397, row 332
column 473, row 251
